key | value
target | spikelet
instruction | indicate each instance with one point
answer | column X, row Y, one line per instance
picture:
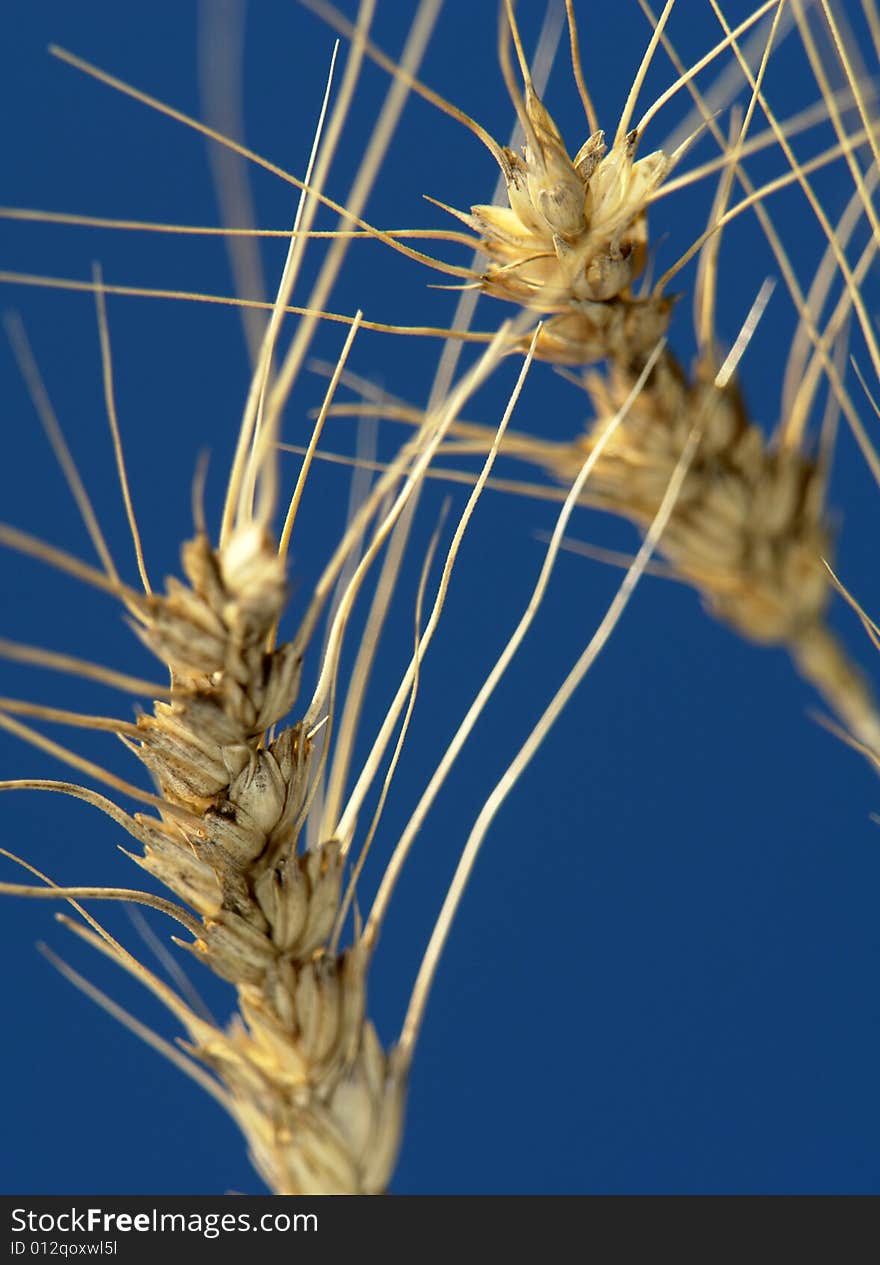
column 573, row 239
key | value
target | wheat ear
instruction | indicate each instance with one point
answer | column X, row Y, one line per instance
column 750, row 527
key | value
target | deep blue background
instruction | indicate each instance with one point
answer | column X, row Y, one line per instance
column 663, row 976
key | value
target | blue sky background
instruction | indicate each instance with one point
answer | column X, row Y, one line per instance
column 663, row 976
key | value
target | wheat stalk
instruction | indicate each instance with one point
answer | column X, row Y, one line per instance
column 238, row 784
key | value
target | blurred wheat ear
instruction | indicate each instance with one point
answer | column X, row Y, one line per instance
column 751, row 529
